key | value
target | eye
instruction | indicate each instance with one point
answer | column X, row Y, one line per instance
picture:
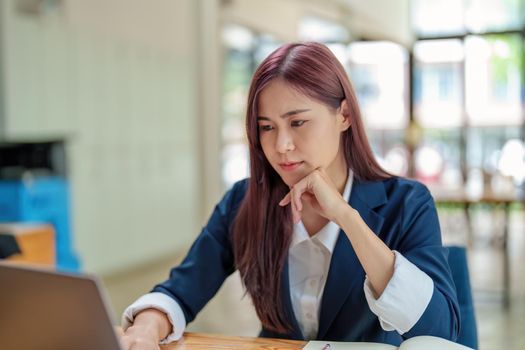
column 298, row 123
column 265, row 127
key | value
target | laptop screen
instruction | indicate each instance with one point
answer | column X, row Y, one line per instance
column 45, row 310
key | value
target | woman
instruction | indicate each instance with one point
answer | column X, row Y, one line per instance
column 328, row 244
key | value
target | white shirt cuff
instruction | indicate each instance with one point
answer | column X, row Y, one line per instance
column 161, row 302
column 404, row 299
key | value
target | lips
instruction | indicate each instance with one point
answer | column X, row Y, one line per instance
column 289, row 166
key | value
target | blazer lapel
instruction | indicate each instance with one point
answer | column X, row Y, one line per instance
column 345, row 269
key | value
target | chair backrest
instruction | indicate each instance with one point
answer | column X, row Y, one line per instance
column 457, row 260
column 8, row 245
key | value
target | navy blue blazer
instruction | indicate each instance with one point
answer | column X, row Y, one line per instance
column 400, row 211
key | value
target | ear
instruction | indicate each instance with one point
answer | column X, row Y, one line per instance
column 343, row 116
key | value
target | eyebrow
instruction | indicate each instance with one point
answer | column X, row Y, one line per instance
column 287, row 114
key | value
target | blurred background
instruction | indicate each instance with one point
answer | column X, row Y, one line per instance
column 122, row 124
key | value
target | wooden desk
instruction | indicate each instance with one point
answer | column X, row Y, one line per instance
column 201, row 341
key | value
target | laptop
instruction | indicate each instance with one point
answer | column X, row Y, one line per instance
column 47, row 310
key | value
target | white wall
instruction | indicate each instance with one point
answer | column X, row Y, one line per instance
column 118, row 79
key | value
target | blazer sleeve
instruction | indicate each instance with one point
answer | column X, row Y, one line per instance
column 421, row 244
column 209, row 261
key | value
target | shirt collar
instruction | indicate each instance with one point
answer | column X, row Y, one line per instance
column 327, row 236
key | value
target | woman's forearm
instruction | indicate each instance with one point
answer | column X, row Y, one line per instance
column 375, row 256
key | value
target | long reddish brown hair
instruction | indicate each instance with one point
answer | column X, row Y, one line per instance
column 263, row 230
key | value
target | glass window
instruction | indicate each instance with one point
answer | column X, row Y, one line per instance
column 437, row 160
column 493, row 15
column 442, row 17
column 243, row 50
column 493, row 79
column 379, row 72
column 468, row 93
column 238, row 67
column 390, row 150
column 495, row 158
column 313, row 28
column 340, row 51
column 438, row 83
column 235, row 164
column 266, row 44
column 456, row 17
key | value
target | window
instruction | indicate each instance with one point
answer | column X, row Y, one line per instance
column 243, row 52
column 379, row 73
column 468, row 92
column 493, row 83
column 438, row 83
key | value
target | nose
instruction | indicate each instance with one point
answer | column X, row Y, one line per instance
column 284, row 142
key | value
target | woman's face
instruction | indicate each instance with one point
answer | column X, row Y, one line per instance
column 298, row 134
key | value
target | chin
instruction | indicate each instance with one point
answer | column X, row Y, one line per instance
column 286, row 178
column 291, row 179
column 288, row 182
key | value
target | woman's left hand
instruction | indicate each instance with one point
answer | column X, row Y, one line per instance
column 321, row 194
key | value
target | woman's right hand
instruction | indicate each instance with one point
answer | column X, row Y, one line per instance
column 149, row 327
column 139, row 338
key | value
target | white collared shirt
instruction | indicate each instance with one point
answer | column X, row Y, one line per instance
column 308, row 265
column 399, row 307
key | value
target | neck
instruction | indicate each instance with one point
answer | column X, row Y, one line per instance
column 338, row 172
